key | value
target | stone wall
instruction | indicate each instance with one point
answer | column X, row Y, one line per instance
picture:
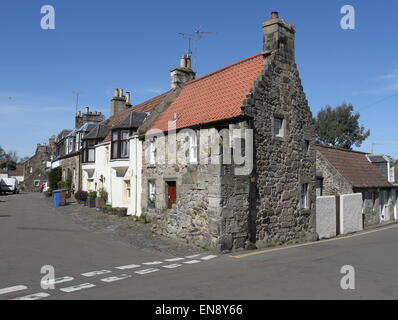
column 35, row 172
column 282, row 163
column 333, row 182
column 71, row 165
column 212, row 202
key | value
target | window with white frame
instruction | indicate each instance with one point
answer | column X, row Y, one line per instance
column 151, row 194
column 152, row 152
column 278, row 127
column 127, row 190
column 193, row 148
column 304, row 196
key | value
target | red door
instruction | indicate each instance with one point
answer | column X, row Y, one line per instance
column 171, row 194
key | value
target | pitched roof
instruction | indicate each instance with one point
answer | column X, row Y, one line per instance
column 377, row 158
column 98, row 132
column 146, row 106
column 133, row 120
column 354, row 167
column 213, row 97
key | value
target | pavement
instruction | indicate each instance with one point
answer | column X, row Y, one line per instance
column 93, row 261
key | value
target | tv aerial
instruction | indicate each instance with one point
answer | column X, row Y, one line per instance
column 197, row 34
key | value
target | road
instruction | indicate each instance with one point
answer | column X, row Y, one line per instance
column 89, row 265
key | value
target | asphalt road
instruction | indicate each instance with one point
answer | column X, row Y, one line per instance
column 89, row 265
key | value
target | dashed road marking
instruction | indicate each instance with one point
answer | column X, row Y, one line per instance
column 95, row 273
column 172, row 266
column 116, row 278
column 209, row 257
column 57, row 281
column 174, row 259
column 146, row 271
column 12, row 289
column 78, row 287
column 192, row 262
column 193, row 256
column 35, row 296
column 131, row 266
column 152, row 263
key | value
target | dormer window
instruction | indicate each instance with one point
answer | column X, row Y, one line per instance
column 120, row 144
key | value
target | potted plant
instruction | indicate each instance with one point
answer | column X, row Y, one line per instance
column 81, row 197
column 101, row 199
column 92, row 195
column 107, row 209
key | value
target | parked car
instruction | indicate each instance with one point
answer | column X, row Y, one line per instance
column 9, row 185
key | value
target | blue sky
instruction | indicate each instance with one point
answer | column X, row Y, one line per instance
column 101, row 45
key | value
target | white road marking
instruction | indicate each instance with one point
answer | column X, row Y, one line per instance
column 95, row 273
column 146, row 271
column 152, row 263
column 194, row 256
column 12, row 289
column 131, row 266
column 35, row 296
column 78, row 287
column 209, row 257
column 116, row 278
column 57, row 281
column 172, row 266
column 174, row 259
column 192, row 262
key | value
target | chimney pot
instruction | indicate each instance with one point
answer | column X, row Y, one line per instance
column 120, row 93
column 87, row 110
column 128, row 98
column 116, row 93
column 275, row 15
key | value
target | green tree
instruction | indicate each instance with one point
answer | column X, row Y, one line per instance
column 340, row 127
column 54, row 176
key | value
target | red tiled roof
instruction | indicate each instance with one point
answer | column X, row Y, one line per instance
column 354, row 167
column 213, row 97
column 146, row 106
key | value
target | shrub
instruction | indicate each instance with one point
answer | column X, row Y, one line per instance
column 92, row 194
column 54, row 176
column 81, row 196
column 102, row 193
column 63, row 185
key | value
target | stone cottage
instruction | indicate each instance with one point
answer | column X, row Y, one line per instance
column 230, row 162
column 340, row 171
column 35, row 169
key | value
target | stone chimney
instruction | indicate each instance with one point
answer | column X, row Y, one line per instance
column 279, row 37
column 182, row 74
column 87, row 116
column 120, row 102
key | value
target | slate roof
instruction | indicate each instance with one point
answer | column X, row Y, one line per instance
column 133, row 120
column 377, row 158
column 144, row 107
column 98, row 132
column 216, row 96
column 354, row 167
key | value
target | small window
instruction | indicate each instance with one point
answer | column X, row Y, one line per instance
column 304, row 200
column 152, row 152
column 278, row 127
column 37, row 183
column 193, row 148
column 152, row 194
column 307, row 144
column 127, row 190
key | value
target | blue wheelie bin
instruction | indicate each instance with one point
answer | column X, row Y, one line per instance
column 57, row 198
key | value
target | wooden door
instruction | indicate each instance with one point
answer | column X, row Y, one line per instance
column 171, row 194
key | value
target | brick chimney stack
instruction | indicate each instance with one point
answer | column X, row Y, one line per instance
column 279, row 37
column 184, row 73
